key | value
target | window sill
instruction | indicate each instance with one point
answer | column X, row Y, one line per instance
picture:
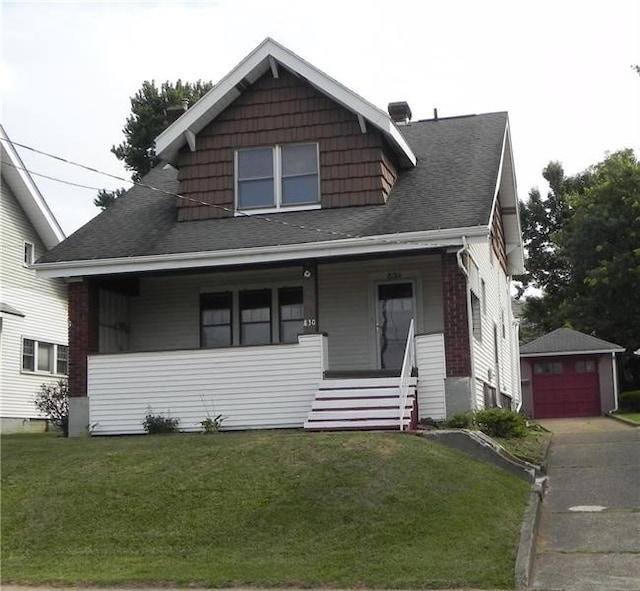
column 46, row 374
column 259, row 210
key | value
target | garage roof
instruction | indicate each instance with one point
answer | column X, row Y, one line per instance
column 566, row 341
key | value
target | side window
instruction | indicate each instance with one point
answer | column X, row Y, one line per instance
column 28, row 355
column 215, row 320
column 476, row 316
column 43, row 357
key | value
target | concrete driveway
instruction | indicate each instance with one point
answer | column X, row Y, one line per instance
column 589, row 534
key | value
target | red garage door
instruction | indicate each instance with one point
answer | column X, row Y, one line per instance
column 565, row 387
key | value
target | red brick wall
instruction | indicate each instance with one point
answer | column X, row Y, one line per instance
column 83, row 333
column 456, row 327
column 354, row 168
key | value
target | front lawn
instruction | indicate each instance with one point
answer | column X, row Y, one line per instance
column 633, row 417
column 383, row 510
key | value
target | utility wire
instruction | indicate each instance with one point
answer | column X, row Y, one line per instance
column 233, row 212
column 51, row 178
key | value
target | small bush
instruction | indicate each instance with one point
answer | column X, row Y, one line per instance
column 461, row 420
column 630, row 401
column 158, row 424
column 500, row 422
column 210, row 425
column 53, row 401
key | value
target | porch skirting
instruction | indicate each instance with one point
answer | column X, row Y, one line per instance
column 252, row 387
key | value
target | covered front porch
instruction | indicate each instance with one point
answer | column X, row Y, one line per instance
column 256, row 345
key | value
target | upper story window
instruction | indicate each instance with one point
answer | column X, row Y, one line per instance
column 278, row 177
column 29, row 254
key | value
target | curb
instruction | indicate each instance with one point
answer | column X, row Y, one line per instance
column 623, row 420
column 528, row 535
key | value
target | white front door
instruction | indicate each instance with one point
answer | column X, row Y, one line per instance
column 395, row 307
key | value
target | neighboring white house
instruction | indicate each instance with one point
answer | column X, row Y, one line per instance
column 33, row 310
column 270, row 268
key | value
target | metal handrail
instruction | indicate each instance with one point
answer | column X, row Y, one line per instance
column 408, row 363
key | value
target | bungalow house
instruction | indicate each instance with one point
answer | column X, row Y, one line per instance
column 297, row 256
column 33, row 310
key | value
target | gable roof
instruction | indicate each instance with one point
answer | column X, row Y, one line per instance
column 29, row 197
column 449, row 194
column 268, row 56
column 566, row 341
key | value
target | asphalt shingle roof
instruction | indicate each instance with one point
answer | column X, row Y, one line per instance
column 452, row 186
column 564, row 340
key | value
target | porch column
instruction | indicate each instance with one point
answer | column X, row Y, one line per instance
column 310, row 297
column 83, row 340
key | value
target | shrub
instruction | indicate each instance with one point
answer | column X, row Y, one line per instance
column 461, row 420
column 53, row 401
column 157, row 424
column 500, row 422
column 630, row 401
column 210, row 425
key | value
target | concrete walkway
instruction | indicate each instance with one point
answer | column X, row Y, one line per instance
column 589, row 531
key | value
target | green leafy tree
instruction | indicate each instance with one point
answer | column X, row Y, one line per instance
column 583, row 251
column 153, row 109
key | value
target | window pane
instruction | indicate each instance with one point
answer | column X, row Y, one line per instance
column 255, row 164
column 256, row 334
column 255, row 194
column 62, row 361
column 255, row 317
column 291, row 313
column 28, row 354
column 45, row 357
column 216, row 336
column 215, row 320
column 299, row 160
column 28, row 253
column 300, row 189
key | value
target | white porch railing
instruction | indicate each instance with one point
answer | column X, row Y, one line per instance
column 408, row 363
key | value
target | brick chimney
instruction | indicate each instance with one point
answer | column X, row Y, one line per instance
column 399, row 112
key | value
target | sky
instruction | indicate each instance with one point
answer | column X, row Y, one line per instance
column 561, row 68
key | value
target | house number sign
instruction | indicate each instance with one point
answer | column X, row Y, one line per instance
column 309, row 322
column 394, row 275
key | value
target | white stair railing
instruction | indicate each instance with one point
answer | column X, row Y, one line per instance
column 408, row 363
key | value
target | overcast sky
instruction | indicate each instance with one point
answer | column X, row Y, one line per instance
column 561, row 68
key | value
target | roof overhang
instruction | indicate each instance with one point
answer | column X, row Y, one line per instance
column 506, row 196
column 29, row 197
column 567, row 353
column 268, row 56
column 389, row 243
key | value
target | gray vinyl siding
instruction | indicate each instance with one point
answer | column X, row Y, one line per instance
column 347, row 304
column 42, row 301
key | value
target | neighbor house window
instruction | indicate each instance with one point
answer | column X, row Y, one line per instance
column 476, row 316
column 29, row 254
column 277, row 177
column 216, row 328
column 44, row 357
column 255, row 317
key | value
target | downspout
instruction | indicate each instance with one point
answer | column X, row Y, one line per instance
column 615, row 380
column 462, row 268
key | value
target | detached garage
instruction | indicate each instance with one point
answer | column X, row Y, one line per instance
column 566, row 373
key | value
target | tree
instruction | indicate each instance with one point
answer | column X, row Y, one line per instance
column 583, row 245
column 153, row 109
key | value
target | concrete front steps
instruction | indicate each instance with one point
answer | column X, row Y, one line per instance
column 361, row 404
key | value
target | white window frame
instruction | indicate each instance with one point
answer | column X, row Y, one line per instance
column 30, row 248
column 53, row 370
column 276, row 152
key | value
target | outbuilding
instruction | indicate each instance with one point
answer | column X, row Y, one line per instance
column 566, row 373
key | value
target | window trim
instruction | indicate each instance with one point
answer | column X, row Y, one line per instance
column 55, row 359
column 278, row 205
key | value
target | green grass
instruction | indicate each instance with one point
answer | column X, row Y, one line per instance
column 379, row 510
column 634, row 417
column 532, row 448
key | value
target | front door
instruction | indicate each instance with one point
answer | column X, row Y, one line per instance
column 395, row 307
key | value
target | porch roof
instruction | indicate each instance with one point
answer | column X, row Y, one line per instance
column 452, row 186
